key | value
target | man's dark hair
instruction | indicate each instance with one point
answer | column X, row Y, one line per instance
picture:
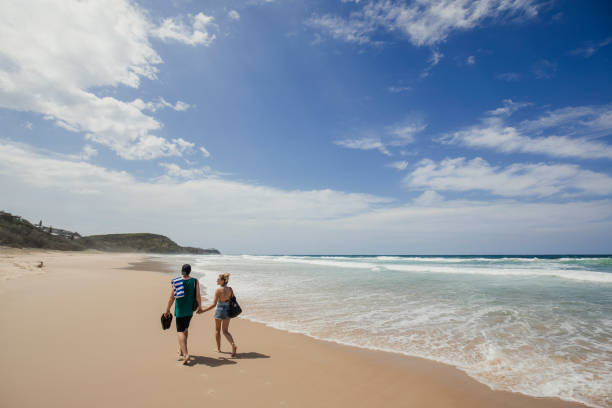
column 186, row 270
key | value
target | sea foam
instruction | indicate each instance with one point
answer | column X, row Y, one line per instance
column 536, row 325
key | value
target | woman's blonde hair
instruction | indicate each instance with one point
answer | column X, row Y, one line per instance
column 225, row 277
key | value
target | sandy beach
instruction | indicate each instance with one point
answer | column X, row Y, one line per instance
column 84, row 330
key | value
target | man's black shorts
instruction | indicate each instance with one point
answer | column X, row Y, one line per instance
column 182, row 323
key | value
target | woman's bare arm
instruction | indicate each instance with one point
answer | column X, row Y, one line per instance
column 214, row 303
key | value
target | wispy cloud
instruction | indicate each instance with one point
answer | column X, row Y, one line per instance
column 471, row 60
column 398, row 135
column 403, row 133
column 566, row 132
column 205, row 152
column 233, row 15
column 190, row 30
column 428, row 198
column 366, row 143
column 591, row 48
column 399, row 89
column 422, row 23
column 88, row 152
column 539, row 179
column 161, row 103
column 109, row 47
column 544, row 69
column 398, row 165
column 176, row 172
column 508, row 108
column 436, row 57
column 354, row 31
column 574, row 120
column 508, row 76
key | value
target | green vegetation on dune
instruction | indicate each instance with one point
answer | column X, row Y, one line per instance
column 19, row 233
column 140, row 242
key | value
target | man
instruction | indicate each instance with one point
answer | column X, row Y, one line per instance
column 184, row 306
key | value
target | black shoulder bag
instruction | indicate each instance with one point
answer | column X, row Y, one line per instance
column 234, row 307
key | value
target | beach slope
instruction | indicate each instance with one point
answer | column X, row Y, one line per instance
column 84, row 331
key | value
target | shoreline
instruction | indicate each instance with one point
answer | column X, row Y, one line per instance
column 276, row 367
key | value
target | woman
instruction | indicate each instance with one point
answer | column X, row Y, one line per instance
column 183, row 309
column 222, row 318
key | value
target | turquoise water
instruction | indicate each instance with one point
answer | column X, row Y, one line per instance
column 537, row 325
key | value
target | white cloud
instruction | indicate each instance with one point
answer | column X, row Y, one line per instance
column 538, row 180
column 424, row 23
column 161, row 103
column 587, row 120
column 196, row 31
column 403, row 134
column 398, row 165
column 204, row 151
column 234, row 15
column 398, row 135
column 57, row 55
column 428, row 198
column 175, row 171
column 471, row 60
column 88, row 152
column 508, row 108
column 552, row 134
column 436, row 57
column 366, row 143
column 591, row 48
column 354, row 31
column 247, row 218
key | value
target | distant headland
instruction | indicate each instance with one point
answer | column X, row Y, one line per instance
column 18, row 232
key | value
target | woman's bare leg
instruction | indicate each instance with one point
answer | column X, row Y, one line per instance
column 228, row 336
column 218, row 334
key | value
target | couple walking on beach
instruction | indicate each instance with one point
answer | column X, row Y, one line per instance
column 186, row 305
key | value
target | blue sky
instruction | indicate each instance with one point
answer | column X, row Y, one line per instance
column 313, row 127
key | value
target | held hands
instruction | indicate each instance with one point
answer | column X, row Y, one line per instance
column 200, row 311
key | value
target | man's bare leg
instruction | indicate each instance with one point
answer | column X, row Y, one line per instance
column 182, row 339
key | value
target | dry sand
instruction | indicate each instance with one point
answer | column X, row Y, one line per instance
column 83, row 332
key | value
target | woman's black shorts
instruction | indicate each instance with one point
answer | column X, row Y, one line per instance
column 182, row 323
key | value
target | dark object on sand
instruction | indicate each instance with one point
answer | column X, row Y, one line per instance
column 40, row 265
column 234, row 307
column 166, row 321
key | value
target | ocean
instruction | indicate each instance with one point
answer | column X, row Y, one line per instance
column 539, row 325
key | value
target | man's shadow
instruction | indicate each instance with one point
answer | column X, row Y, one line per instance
column 216, row 362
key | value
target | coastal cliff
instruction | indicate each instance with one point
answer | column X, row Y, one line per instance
column 18, row 232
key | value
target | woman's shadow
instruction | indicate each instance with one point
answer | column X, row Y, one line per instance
column 216, row 362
